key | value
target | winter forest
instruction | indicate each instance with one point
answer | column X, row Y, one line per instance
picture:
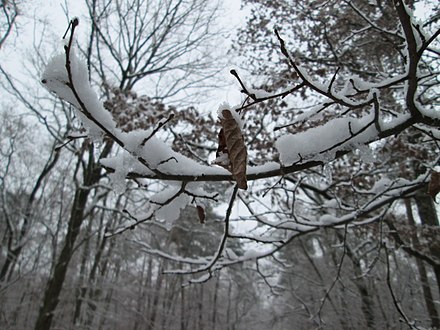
column 194, row 164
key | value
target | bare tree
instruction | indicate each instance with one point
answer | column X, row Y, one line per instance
column 171, row 43
column 9, row 13
column 130, row 41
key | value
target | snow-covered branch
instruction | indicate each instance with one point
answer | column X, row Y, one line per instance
column 66, row 76
column 351, row 114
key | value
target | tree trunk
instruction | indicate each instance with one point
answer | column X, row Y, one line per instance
column 430, row 305
column 53, row 290
column 140, row 303
column 102, row 263
column 92, row 175
column 426, row 209
column 149, row 288
column 13, row 253
column 334, row 304
column 229, row 307
column 200, row 308
column 81, row 288
column 168, row 302
column 107, row 303
column 367, row 303
column 182, row 306
column 428, row 216
column 214, row 303
column 157, row 293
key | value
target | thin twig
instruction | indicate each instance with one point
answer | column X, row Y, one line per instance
column 161, row 124
column 338, row 274
column 222, row 244
column 396, row 303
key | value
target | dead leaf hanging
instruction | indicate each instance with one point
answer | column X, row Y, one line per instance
column 236, row 148
column 434, row 184
column 201, row 213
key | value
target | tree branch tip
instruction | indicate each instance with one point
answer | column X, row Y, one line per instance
column 72, row 25
column 277, row 33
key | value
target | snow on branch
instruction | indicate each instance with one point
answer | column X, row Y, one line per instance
column 66, row 76
column 358, row 120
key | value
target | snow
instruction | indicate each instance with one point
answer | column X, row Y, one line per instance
column 222, row 160
column 319, row 142
column 171, row 212
column 328, row 219
column 146, row 154
column 56, row 80
column 331, row 203
column 230, row 254
column 221, row 107
column 156, row 153
column 251, row 254
column 328, row 174
column 387, row 124
column 195, row 189
column 313, row 113
column 381, row 185
column 259, row 93
column 431, row 113
column 202, row 278
column 348, row 88
column 117, row 178
column 235, row 114
column 168, row 203
column 267, row 167
column 302, row 71
column 117, row 164
column 366, row 154
column 359, row 83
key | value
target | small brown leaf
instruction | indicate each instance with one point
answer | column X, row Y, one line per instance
column 434, row 185
column 201, row 214
column 235, row 148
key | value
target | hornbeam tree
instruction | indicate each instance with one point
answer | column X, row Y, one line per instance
column 351, row 116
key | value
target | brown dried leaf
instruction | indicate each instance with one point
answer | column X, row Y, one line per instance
column 222, row 148
column 236, row 148
column 201, row 214
column 222, row 157
column 434, row 184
